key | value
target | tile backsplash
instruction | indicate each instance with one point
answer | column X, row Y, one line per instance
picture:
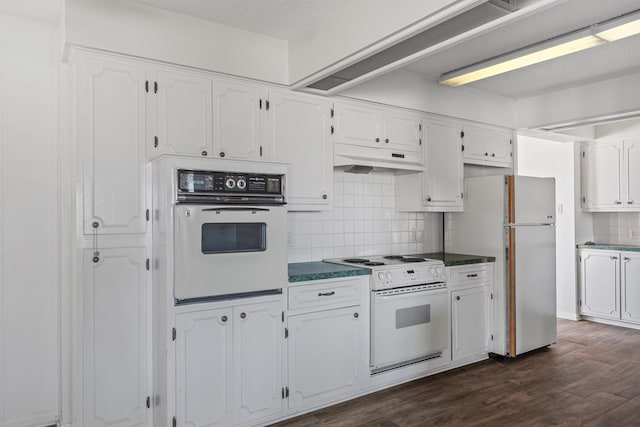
column 617, row 228
column 362, row 221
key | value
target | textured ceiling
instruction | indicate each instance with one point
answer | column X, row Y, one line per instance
column 282, row 19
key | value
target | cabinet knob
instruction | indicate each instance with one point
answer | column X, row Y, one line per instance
column 458, row 298
column 377, row 139
column 222, row 154
column 324, row 196
column 243, row 315
column 493, row 154
column 630, row 202
column 224, row 319
column 386, row 140
column 617, row 202
column 486, row 154
column 428, row 198
column 95, row 224
column 613, row 257
column 627, row 258
column 204, row 152
column 356, row 315
column 95, row 259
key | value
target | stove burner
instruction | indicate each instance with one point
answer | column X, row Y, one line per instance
column 393, row 257
column 412, row 259
column 373, row 263
column 356, row 260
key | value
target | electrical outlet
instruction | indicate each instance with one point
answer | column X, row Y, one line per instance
column 290, row 239
column 560, row 208
column 634, row 234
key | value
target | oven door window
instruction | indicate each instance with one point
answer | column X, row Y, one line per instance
column 221, row 238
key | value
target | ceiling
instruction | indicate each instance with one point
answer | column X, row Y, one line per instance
column 284, row 19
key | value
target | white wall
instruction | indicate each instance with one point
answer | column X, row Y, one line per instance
column 29, row 222
column 362, row 221
column 146, row 32
column 411, row 90
column 614, row 96
column 538, row 157
column 353, row 28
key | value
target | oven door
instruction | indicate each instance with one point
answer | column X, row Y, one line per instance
column 408, row 327
column 228, row 250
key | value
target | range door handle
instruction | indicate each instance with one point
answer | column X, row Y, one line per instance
column 235, row 209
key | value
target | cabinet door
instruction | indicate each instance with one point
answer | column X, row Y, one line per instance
column 601, row 175
column 184, row 118
column 357, row 125
column 630, row 286
column 299, row 128
column 237, row 132
column 401, row 130
column 470, row 322
column 111, row 132
column 115, row 337
column 487, row 146
column 600, row 284
column 325, row 355
column 204, row 368
column 632, row 174
column 443, row 177
column 258, row 345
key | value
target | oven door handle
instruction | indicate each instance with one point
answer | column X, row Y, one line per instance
column 235, row 209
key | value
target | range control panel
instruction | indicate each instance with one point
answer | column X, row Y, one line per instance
column 404, row 275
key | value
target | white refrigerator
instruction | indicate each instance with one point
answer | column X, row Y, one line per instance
column 513, row 219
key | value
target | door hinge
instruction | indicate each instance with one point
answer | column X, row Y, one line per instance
column 580, row 258
column 332, row 113
column 146, row 86
column 510, row 142
column 283, row 317
column 463, row 148
column 461, row 134
column 332, row 129
column 175, row 422
column 147, row 264
column 266, row 105
column 583, row 154
column 283, row 392
column 286, row 392
column 286, row 333
column 580, row 302
column 491, row 295
column 155, row 87
column 584, row 199
column 462, row 195
column 155, row 142
column 260, row 104
column 420, row 141
column 146, row 214
column 261, row 151
column 420, row 127
column 173, row 334
column 491, row 337
column 510, row 154
column 148, row 402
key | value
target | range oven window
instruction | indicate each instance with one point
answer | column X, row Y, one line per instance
column 220, row 238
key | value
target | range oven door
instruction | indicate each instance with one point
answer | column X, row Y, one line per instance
column 228, row 250
column 408, row 327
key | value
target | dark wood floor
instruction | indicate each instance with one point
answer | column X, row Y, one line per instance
column 590, row 377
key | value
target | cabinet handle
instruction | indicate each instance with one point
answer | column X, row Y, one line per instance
column 627, row 258
column 458, row 298
column 613, row 257
column 224, row 319
column 386, row 140
column 204, row 152
column 324, row 196
column 243, row 315
column 377, row 139
column 486, row 154
column 472, row 275
column 222, row 154
column 617, row 202
column 493, row 154
column 356, row 315
column 326, row 294
column 630, row 202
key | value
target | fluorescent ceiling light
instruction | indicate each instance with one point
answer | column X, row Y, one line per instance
column 555, row 48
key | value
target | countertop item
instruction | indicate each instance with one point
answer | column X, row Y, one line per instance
column 452, row 260
column 318, row 270
column 608, row 247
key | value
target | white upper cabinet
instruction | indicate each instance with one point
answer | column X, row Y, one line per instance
column 487, row 145
column 110, row 122
column 610, row 177
column 238, row 122
column 299, row 131
column 369, row 126
column 184, row 119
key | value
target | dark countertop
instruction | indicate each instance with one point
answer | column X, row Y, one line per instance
column 318, row 270
column 451, row 260
column 605, row 246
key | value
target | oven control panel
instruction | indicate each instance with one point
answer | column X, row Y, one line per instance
column 213, row 186
column 405, row 275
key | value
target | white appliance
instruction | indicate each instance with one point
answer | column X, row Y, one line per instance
column 229, row 234
column 513, row 219
column 409, row 310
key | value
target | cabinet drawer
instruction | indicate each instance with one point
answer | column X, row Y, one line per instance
column 336, row 293
column 470, row 275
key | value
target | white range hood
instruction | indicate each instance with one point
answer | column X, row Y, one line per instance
column 358, row 159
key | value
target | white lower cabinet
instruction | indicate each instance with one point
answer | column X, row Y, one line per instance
column 115, row 339
column 610, row 284
column 229, row 365
column 470, row 287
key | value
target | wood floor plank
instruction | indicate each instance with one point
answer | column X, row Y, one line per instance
column 591, row 376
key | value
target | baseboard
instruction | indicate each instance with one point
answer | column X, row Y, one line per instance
column 567, row 315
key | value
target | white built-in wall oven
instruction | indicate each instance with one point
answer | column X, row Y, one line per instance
column 229, row 235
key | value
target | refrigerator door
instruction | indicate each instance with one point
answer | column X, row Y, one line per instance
column 532, row 287
column 533, row 200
